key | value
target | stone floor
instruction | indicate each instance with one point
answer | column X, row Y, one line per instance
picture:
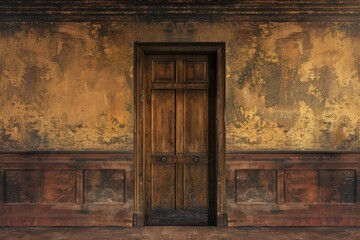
column 159, row 233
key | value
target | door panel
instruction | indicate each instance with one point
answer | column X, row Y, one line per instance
column 195, row 71
column 196, row 186
column 163, row 121
column 177, row 159
column 163, row 185
column 196, row 122
column 163, row 71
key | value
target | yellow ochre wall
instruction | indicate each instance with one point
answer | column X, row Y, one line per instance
column 70, row 86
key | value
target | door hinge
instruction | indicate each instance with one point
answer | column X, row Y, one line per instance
column 142, row 95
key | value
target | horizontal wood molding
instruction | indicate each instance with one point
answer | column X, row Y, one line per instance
column 305, row 215
column 179, row 10
column 63, row 157
column 341, row 157
column 64, row 215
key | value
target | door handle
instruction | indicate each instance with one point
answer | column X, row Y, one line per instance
column 163, row 159
column 195, row 159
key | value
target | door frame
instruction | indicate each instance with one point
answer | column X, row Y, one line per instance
column 141, row 49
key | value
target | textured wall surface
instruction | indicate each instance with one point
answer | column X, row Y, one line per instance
column 290, row 86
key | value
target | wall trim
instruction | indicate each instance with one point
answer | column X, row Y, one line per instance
column 293, row 152
column 179, row 10
column 325, row 157
column 27, row 158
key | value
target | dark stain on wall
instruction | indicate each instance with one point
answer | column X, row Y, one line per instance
column 290, row 86
column 294, row 93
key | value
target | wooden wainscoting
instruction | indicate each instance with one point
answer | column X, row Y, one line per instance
column 293, row 189
column 66, row 189
column 97, row 189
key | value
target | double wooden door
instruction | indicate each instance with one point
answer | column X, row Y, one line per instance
column 179, row 139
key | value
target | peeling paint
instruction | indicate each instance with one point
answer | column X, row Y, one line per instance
column 310, row 74
column 290, row 86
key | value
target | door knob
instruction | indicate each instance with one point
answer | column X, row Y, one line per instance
column 163, row 159
column 196, row 159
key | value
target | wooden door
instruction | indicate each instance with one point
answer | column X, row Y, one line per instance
column 179, row 139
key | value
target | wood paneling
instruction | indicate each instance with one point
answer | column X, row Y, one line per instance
column 195, row 71
column 357, row 186
column 301, row 187
column 280, row 186
column 2, row 192
column 163, row 121
column 163, row 186
column 64, row 215
column 67, row 189
column 256, row 186
column 337, row 186
column 216, row 99
column 104, row 186
column 196, row 186
column 58, row 186
column 306, row 189
column 79, row 187
column 22, row 186
column 196, row 122
column 178, row 163
column 163, row 71
column 37, row 189
column 295, row 215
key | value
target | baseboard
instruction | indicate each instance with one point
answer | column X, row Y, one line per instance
column 222, row 220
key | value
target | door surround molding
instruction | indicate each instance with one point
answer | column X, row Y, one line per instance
column 140, row 51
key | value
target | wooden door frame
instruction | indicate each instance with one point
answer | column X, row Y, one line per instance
column 140, row 51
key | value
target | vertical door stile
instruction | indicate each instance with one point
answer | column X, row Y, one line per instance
column 196, row 194
column 179, row 133
column 147, row 115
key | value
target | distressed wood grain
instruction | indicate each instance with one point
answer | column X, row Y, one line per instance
column 313, row 189
column 256, row 186
column 46, row 189
column 22, row 186
column 104, row 186
column 337, row 186
column 58, row 187
column 301, row 186
column 257, row 10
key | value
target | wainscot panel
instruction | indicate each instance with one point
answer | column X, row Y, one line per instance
column 66, row 189
column 293, row 189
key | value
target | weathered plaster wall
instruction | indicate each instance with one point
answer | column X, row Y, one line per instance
column 290, row 86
